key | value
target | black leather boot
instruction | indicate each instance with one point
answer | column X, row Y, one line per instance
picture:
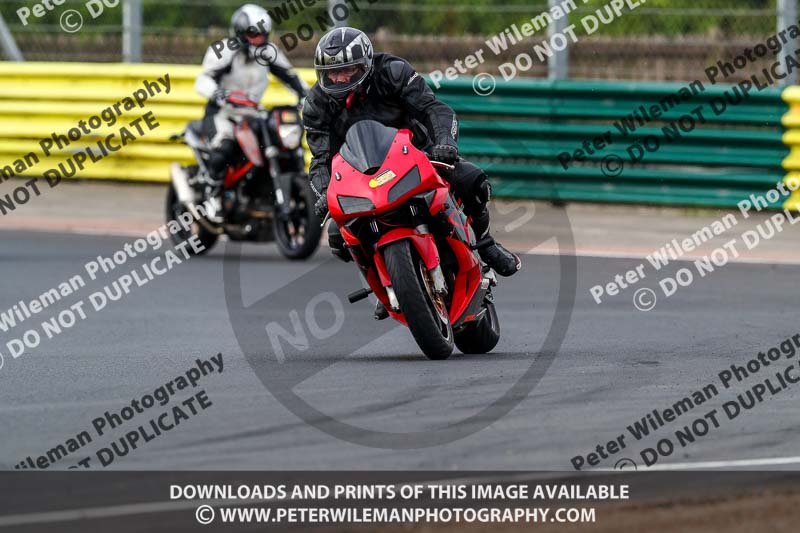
column 498, row 258
column 493, row 254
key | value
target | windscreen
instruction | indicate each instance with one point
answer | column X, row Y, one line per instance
column 366, row 145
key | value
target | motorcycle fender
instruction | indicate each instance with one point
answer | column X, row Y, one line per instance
column 423, row 243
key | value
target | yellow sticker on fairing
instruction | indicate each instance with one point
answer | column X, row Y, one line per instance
column 384, row 178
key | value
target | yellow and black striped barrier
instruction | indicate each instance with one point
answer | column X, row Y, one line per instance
column 40, row 101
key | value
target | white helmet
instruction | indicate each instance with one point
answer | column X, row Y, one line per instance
column 252, row 25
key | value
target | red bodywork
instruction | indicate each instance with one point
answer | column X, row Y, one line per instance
column 248, row 141
column 401, row 159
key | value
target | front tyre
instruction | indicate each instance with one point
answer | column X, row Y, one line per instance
column 175, row 209
column 481, row 336
column 299, row 233
column 425, row 312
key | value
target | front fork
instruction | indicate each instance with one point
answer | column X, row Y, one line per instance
column 281, row 181
column 437, row 276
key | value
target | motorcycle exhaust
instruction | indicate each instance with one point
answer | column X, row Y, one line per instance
column 181, row 183
column 186, row 197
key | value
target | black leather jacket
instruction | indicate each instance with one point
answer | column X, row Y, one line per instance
column 394, row 95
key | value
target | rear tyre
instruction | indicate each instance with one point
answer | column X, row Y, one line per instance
column 481, row 336
column 425, row 312
column 174, row 209
column 298, row 235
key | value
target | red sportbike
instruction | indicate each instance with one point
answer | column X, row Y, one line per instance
column 413, row 244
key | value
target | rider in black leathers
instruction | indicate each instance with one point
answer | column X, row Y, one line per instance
column 353, row 85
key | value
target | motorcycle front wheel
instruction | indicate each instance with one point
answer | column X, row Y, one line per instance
column 426, row 313
column 174, row 209
column 298, row 234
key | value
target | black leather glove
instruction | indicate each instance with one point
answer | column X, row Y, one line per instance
column 220, row 96
column 321, row 207
column 445, row 153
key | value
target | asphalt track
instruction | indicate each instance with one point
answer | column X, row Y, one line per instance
column 616, row 364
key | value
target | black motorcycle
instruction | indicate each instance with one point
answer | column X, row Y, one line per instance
column 265, row 195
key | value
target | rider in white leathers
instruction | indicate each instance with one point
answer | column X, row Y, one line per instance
column 245, row 66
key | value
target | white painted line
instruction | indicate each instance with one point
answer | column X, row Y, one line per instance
column 707, row 465
column 739, row 463
column 754, row 260
column 93, row 512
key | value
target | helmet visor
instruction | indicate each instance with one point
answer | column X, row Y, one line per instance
column 256, row 38
column 341, row 79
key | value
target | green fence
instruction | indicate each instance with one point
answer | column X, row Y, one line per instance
column 707, row 155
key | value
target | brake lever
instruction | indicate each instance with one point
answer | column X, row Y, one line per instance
column 324, row 220
column 443, row 165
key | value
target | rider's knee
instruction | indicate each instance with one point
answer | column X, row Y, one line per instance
column 337, row 244
column 472, row 185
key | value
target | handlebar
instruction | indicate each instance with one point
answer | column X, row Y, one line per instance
column 246, row 111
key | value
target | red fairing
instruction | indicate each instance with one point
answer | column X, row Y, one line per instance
column 353, row 183
column 249, row 142
column 401, row 159
column 467, row 281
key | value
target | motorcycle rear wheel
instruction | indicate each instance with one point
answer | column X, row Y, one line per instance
column 425, row 312
column 481, row 336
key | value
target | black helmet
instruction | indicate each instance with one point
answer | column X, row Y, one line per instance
column 343, row 60
column 252, row 25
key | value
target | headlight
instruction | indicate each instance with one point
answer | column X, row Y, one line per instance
column 407, row 183
column 290, row 135
column 355, row 204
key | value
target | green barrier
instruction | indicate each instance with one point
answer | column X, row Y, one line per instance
column 732, row 147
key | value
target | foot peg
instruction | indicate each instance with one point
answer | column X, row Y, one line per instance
column 359, row 295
